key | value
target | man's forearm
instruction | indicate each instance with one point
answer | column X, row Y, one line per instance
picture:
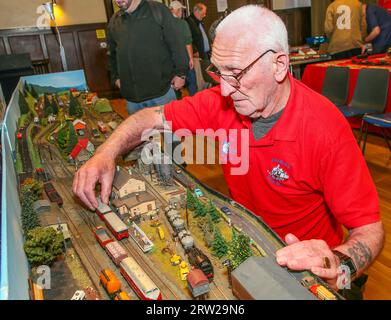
column 375, row 32
column 128, row 135
column 363, row 245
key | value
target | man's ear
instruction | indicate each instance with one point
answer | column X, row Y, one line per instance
column 281, row 66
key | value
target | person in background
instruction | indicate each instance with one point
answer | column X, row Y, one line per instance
column 345, row 27
column 379, row 27
column 144, row 67
column 201, row 42
column 213, row 26
column 177, row 11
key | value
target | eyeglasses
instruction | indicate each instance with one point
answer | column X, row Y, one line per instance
column 233, row 80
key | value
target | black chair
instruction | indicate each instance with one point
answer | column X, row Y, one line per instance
column 382, row 121
column 370, row 93
column 336, row 85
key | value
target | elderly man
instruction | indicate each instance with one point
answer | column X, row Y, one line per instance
column 177, row 11
column 201, row 42
column 306, row 175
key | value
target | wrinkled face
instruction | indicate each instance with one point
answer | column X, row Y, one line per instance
column 200, row 15
column 177, row 12
column 231, row 56
column 123, row 4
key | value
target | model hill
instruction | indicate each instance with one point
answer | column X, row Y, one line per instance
column 50, row 89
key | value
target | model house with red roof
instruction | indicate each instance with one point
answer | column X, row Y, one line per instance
column 82, row 151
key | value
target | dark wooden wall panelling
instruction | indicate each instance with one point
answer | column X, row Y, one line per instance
column 83, row 50
column 297, row 20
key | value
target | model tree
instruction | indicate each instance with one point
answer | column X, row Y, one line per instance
column 24, row 107
column 199, row 210
column 212, row 212
column 43, row 246
column 29, row 216
column 62, row 138
column 219, row 245
column 190, row 202
column 54, row 106
column 72, row 138
column 74, row 106
column 32, row 187
column 61, row 115
column 239, row 248
column 47, row 106
column 32, row 91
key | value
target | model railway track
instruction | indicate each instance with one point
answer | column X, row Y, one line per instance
column 77, row 236
column 169, row 293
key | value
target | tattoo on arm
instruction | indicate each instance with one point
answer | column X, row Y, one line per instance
column 160, row 110
column 361, row 254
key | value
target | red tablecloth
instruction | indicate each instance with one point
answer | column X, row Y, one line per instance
column 314, row 75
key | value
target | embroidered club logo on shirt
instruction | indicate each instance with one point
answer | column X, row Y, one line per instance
column 278, row 173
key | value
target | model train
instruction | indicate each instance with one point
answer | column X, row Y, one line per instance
column 118, row 228
column 140, row 282
column 52, row 194
column 138, row 279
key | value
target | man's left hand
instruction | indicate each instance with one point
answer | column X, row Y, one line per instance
column 177, row 83
column 313, row 255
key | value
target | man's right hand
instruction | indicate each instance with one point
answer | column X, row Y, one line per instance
column 118, row 83
column 100, row 168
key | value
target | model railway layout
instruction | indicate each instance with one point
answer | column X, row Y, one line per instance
column 163, row 234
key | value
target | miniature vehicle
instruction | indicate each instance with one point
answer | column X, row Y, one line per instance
column 110, row 282
column 322, row 292
column 137, row 278
column 183, row 270
column 122, row 296
column 161, row 233
column 79, row 295
column 175, row 260
column 199, row 259
column 102, row 236
column 55, row 197
column 226, row 210
column 52, row 194
column 198, row 283
column 198, row 193
column 116, row 225
column 155, row 223
column 140, row 238
column 116, row 252
column 95, row 133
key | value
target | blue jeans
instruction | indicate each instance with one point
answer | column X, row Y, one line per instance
column 133, row 107
column 191, row 82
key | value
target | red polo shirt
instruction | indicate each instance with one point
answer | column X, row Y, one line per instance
column 307, row 176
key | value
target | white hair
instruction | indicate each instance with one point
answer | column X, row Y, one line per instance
column 258, row 25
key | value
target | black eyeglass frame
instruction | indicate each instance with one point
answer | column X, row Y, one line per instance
column 237, row 77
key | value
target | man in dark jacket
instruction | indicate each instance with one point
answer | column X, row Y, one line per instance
column 201, row 42
column 147, row 56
